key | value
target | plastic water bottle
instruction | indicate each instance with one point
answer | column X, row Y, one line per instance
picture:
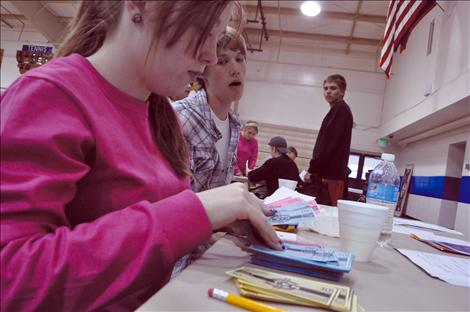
column 383, row 188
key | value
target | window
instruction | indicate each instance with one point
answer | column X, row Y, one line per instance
column 369, row 164
column 353, row 164
column 360, row 163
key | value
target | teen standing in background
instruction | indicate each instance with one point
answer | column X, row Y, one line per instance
column 331, row 152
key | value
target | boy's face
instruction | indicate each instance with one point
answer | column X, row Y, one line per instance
column 226, row 79
column 332, row 92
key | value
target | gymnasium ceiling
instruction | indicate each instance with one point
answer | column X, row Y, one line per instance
column 342, row 26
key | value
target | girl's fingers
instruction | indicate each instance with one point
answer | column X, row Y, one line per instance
column 265, row 229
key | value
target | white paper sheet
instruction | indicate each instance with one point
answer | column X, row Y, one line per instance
column 287, row 236
column 326, row 222
column 284, row 192
column 439, row 238
column 453, row 270
column 302, row 175
column 409, row 230
column 424, row 225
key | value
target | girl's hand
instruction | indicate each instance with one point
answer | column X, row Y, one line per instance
column 227, row 204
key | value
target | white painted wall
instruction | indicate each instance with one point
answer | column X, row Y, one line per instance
column 430, row 157
column 462, row 219
column 287, row 90
column 446, row 69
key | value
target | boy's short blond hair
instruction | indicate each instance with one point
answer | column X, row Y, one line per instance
column 233, row 40
column 338, row 79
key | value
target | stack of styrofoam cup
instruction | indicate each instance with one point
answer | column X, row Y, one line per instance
column 359, row 227
column 290, row 184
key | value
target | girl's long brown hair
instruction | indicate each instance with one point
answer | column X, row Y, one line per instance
column 96, row 18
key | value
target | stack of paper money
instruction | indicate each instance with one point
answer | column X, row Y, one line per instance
column 266, row 285
column 292, row 214
column 302, row 258
column 295, row 213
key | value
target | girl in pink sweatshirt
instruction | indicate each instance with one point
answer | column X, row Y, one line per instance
column 247, row 149
column 95, row 200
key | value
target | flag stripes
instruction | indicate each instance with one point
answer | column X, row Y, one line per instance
column 402, row 17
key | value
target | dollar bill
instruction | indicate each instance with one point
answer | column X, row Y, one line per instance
column 341, row 301
column 292, row 214
column 286, row 285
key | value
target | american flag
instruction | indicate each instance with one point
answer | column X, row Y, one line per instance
column 402, row 17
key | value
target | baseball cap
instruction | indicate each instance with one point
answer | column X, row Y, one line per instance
column 280, row 143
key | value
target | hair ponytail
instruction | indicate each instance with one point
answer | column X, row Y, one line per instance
column 167, row 134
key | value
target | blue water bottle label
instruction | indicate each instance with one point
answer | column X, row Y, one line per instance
column 383, row 192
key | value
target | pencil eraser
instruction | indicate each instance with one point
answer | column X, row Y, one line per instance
column 210, row 292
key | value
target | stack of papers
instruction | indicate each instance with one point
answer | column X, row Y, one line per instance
column 289, row 212
column 292, row 214
column 266, row 285
column 326, row 218
column 309, row 259
column 283, row 193
column 406, row 226
column 453, row 270
column 446, row 244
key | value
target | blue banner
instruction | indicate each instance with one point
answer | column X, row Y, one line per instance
column 443, row 187
column 36, row 48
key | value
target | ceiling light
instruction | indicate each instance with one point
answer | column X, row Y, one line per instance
column 310, row 8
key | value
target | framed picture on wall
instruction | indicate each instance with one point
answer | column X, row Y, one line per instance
column 403, row 195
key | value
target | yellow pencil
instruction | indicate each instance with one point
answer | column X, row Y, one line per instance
column 241, row 302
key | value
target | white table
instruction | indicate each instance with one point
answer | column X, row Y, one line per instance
column 390, row 282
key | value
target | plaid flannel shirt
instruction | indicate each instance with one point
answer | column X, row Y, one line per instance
column 201, row 134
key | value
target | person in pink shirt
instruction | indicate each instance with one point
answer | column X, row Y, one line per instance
column 247, row 150
column 95, row 200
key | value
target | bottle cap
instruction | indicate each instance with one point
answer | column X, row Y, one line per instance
column 388, row 157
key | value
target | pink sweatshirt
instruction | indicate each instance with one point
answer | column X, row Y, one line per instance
column 92, row 215
column 246, row 151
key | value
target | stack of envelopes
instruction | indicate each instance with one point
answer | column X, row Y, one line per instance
column 306, row 259
column 266, row 285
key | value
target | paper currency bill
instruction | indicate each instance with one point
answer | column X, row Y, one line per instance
column 292, row 214
column 286, row 285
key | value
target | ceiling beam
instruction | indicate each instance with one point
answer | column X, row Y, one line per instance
column 294, row 47
column 351, row 35
column 6, row 23
column 48, row 24
column 20, row 17
column 13, row 16
column 378, row 19
column 317, row 37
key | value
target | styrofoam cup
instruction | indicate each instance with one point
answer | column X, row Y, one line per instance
column 359, row 227
column 290, row 184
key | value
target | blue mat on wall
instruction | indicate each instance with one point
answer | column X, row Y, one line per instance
column 443, row 187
